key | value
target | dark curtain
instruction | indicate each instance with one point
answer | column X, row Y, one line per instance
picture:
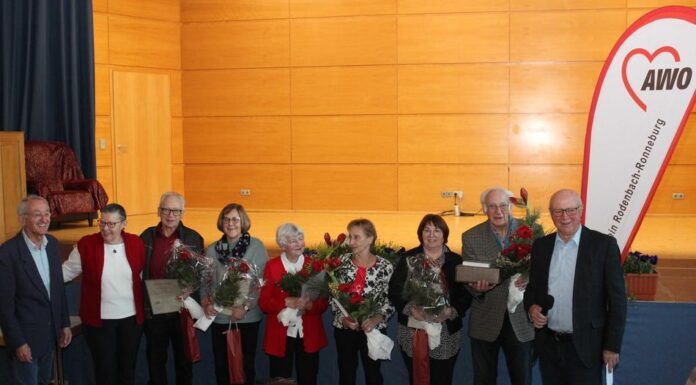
column 47, row 79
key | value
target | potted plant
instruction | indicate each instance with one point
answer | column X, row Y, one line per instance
column 641, row 276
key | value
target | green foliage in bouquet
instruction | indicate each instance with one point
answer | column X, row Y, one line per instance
column 424, row 286
column 292, row 283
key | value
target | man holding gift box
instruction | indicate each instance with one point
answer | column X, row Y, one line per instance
column 160, row 329
column 491, row 326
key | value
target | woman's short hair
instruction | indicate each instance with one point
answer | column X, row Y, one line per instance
column 287, row 230
column 244, row 221
column 436, row 221
column 114, row 208
column 366, row 226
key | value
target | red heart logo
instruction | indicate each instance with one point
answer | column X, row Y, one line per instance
column 650, row 57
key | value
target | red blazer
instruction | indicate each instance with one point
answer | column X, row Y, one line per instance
column 91, row 248
column 272, row 301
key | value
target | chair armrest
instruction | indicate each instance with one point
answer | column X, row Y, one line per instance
column 92, row 186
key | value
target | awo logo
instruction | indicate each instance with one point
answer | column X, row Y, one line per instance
column 657, row 79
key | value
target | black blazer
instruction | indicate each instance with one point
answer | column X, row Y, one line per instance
column 27, row 313
column 460, row 299
column 599, row 294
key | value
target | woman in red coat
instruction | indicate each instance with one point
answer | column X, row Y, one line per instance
column 302, row 336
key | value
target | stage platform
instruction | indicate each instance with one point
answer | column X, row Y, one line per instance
column 669, row 237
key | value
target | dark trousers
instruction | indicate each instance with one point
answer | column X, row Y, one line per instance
column 560, row 364
column 518, row 356
column 441, row 371
column 306, row 364
column 161, row 330
column 249, row 333
column 349, row 344
column 114, row 348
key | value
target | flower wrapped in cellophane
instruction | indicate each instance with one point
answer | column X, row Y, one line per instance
column 425, row 286
column 190, row 268
column 239, row 286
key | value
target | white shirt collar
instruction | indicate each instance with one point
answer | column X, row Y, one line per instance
column 575, row 238
column 30, row 243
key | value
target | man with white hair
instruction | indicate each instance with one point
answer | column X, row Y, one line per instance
column 161, row 329
column 491, row 326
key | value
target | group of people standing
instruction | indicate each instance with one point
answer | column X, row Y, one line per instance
column 572, row 336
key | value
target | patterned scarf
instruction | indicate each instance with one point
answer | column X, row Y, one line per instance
column 224, row 252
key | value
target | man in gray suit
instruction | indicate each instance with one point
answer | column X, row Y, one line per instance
column 33, row 308
column 491, row 326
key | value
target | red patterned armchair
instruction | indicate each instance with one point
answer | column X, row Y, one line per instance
column 54, row 173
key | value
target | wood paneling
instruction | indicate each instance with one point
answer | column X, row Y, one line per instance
column 175, row 78
column 100, row 5
column 150, row 9
column 467, row 139
column 236, row 92
column 453, row 88
column 344, row 187
column 452, row 6
column 178, row 180
column 564, row 36
column 344, row 139
column 685, row 153
column 547, row 138
column 237, row 140
column 144, row 43
column 543, row 180
column 177, row 141
column 13, row 187
column 539, row 5
column 208, row 10
column 420, row 185
column 214, row 186
column 562, row 87
column 238, row 44
column 675, row 180
column 344, row 90
column 101, row 38
column 105, row 176
column 658, row 3
column 102, row 130
column 323, row 8
column 343, row 41
column 102, row 93
column 453, row 38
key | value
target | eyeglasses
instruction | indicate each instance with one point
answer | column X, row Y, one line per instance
column 111, row 225
column 501, row 207
column 38, row 215
column 571, row 212
column 167, row 211
column 231, row 220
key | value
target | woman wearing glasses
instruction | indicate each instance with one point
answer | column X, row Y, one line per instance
column 235, row 243
column 111, row 306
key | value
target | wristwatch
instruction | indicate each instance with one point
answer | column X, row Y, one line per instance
column 246, row 307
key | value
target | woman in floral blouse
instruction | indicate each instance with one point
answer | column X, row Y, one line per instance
column 368, row 276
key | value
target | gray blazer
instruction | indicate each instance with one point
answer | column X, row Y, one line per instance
column 488, row 309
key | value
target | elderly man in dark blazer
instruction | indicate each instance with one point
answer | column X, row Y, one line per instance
column 491, row 326
column 575, row 297
column 33, row 308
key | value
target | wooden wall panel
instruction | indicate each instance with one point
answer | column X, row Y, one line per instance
column 175, row 79
column 102, row 92
column 248, row 92
column 543, row 180
column 105, row 176
column 235, row 44
column 562, row 87
column 178, row 179
column 452, row 6
column 674, row 181
column 101, row 38
column 344, row 90
column 564, row 36
column 209, row 10
column 467, row 139
column 344, row 139
column 177, row 141
column 144, row 43
column 547, row 138
column 685, row 153
column 100, row 5
column 214, row 186
column 420, row 185
column 339, row 187
column 150, row 9
column 658, row 3
column 453, row 88
column 324, row 8
column 13, row 181
column 102, row 130
column 453, row 38
column 539, row 5
column 343, row 41
column 237, row 140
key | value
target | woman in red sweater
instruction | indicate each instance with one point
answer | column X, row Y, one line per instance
column 111, row 305
column 299, row 338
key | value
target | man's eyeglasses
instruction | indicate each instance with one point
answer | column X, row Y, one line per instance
column 571, row 212
column 166, row 211
column 501, row 207
column 111, row 225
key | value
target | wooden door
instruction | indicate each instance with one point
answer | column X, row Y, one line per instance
column 142, row 139
column 14, row 183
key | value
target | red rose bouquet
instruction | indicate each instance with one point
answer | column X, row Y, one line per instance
column 190, row 268
column 240, row 284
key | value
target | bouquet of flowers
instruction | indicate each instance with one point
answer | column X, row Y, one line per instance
column 424, row 286
column 240, row 284
column 293, row 283
column 190, row 268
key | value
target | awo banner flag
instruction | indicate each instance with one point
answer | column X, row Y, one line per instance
column 643, row 98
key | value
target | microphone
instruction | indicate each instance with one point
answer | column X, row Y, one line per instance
column 546, row 304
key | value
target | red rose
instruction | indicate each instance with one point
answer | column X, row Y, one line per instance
column 355, row 298
column 524, row 232
column 335, row 262
column 243, row 267
column 340, row 239
column 523, row 250
column 327, row 239
column 317, row 265
column 344, row 287
column 184, row 255
column 508, row 250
